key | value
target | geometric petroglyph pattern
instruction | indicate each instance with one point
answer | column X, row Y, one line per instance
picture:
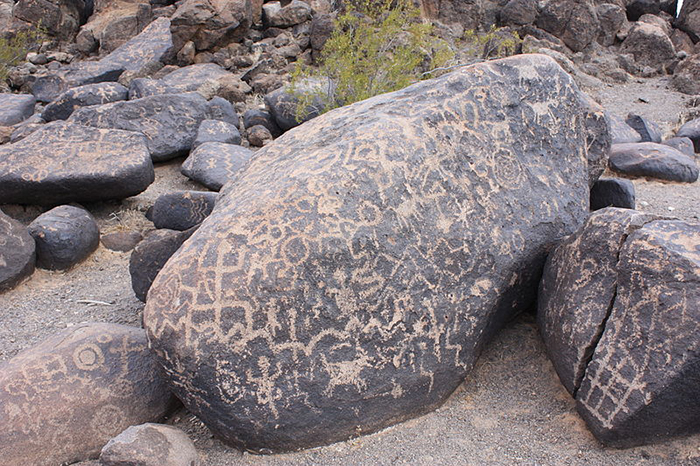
column 351, row 273
column 578, row 287
column 62, row 400
column 169, row 122
column 64, row 162
column 642, row 382
column 83, row 96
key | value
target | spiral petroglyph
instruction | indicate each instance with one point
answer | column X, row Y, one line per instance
column 350, row 275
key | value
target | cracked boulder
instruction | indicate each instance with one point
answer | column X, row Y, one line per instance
column 348, row 280
column 618, row 311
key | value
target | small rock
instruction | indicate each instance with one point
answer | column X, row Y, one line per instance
column 121, row 241
column 647, row 129
column 150, row 445
column 256, row 117
column 691, row 130
column 62, row 400
column 5, row 134
column 258, row 135
column 612, row 192
column 15, row 108
column 620, row 131
column 182, row 210
column 216, row 131
column 284, row 103
column 296, row 12
column 654, row 161
column 682, row 144
column 64, row 236
column 83, row 96
column 17, row 252
column 37, row 58
column 214, row 163
column 221, row 109
column 150, row 255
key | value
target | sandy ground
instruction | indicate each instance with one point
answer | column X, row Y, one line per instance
column 511, row 409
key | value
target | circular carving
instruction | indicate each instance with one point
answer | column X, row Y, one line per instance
column 88, row 357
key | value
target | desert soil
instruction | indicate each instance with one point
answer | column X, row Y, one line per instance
column 512, row 409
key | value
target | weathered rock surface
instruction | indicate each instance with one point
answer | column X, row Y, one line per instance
column 213, row 164
column 650, row 45
column 654, row 161
column 637, row 8
column 620, row 131
column 150, row 256
column 284, row 103
column 154, row 44
column 64, row 236
column 216, row 131
column 258, row 135
column 208, row 23
column 518, row 13
column 598, row 138
column 611, row 18
column 64, row 162
column 169, row 122
column 200, row 78
column 689, row 19
column 17, row 252
column 182, row 210
column 574, row 22
column 348, row 279
column 121, row 241
column 612, row 192
column 691, row 130
column 647, row 129
column 295, row 12
column 15, row 108
column 150, row 445
column 254, row 117
column 62, row 400
column 682, row 144
column 60, row 18
column 83, row 96
column 619, row 315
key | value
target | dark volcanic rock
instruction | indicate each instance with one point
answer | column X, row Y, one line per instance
column 221, row 109
column 650, row 45
column 169, row 122
column 682, row 144
column 62, row 400
column 293, row 13
column 65, row 162
column 83, row 96
column 59, row 18
column 284, row 103
column 689, row 19
column 15, row 108
column 208, row 23
column 612, row 192
column 598, row 138
column 654, row 161
column 150, row 445
column 637, row 8
column 612, row 18
column 17, row 252
column 573, row 21
column 620, row 131
column 153, row 44
column 647, row 129
column 200, row 78
column 121, row 241
column 619, row 315
column 258, row 136
column 348, row 279
column 216, row 131
column 691, row 130
column 150, row 256
column 256, row 117
column 214, row 163
column 183, row 210
column 64, row 236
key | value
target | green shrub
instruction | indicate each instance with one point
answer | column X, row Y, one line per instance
column 376, row 47
column 13, row 50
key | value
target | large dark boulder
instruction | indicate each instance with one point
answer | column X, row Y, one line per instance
column 691, row 130
column 612, row 192
column 59, row 18
column 647, row 129
column 211, row 23
column 654, row 161
column 17, row 252
column 349, row 278
column 182, row 210
column 618, row 311
column 202, row 77
column 573, row 21
column 689, row 19
column 169, row 122
column 650, row 45
column 64, row 162
column 84, row 96
column 62, row 400
column 64, row 236
column 620, row 131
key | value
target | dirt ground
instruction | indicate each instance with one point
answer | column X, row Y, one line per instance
column 512, row 409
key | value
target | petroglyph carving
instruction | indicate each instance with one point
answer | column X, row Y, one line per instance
column 349, row 277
